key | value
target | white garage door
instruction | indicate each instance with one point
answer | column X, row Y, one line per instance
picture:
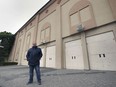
column 74, row 56
column 102, row 51
column 50, row 57
column 42, row 59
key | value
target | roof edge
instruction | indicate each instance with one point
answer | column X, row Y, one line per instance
column 38, row 12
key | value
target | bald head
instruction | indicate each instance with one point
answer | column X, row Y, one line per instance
column 34, row 44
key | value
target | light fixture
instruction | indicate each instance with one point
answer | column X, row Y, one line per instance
column 80, row 28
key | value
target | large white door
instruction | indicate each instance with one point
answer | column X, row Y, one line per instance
column 102, row 51
column 42, row 59
column 50, row 56
column 74, row 56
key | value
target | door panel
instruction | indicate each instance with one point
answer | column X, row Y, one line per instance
column 50, row 56
column 74, row 56
column 42, row 59
column 102, row 51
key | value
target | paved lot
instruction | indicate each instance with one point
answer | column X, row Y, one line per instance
column 17, row 76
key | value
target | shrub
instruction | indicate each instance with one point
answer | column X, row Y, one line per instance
column 8, row 63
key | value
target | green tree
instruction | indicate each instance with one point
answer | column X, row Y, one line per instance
column 7, row 42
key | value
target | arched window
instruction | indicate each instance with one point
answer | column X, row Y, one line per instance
column 18, row 50
column 58, row 1
column 28, row 40
column 81, row 14
column 113, row 7
column 45, row 33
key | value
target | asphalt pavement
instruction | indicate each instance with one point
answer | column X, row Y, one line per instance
column 17, row 76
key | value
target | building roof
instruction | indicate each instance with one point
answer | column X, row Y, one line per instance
column 38, row 12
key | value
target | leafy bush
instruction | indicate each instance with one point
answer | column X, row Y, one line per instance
column 8, row 63
column 7, row 41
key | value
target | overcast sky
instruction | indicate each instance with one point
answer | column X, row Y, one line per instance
column 15, row 13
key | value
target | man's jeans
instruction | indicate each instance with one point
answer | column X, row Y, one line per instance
column 31, row 72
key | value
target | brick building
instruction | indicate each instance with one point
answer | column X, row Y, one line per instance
column 73, row 34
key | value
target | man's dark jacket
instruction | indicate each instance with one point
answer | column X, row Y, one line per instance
column 34, row 55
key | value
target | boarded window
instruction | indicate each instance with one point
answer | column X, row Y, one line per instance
column 28, row 41
column 85, row 14
column 74, row 19
column 47, row 32
column 42, row 35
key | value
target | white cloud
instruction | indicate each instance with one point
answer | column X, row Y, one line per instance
column 15, row 13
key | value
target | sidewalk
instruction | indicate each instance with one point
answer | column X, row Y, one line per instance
column 17, row 76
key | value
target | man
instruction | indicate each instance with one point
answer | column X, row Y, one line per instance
column 34, row 55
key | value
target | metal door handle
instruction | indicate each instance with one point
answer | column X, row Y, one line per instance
column 99, row 55
column 104, row 55
column 72, row 57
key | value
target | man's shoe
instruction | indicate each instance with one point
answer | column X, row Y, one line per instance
column 29, row 83
column 39, row 82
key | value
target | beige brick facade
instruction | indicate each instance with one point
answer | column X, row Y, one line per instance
column 66, row 32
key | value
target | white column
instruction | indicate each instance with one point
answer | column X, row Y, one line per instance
column 85, row 51
column 58, row 39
